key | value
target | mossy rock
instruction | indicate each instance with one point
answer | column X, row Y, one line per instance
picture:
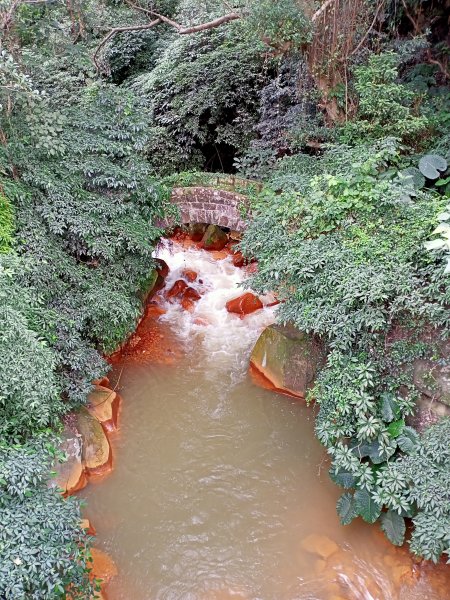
column 96, row 452
column 196, row 231
column 70, row 475
column 288, row 358
column 214, row 239
column 149, row 284
column 101, row 405
column 433, row 380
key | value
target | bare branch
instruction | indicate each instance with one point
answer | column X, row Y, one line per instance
column 211, row 24
column 322, row 9
column 379, row 7
column 161, row 19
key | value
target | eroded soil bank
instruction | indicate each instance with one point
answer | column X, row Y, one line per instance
column 219, row 489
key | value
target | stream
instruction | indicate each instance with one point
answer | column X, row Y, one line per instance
column 219, row 489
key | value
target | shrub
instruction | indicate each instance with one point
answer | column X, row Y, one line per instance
column 385, row 106
column 6, row 224
column 345, row 255
column 43, row 550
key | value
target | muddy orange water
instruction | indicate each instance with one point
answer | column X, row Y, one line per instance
column 219, row 489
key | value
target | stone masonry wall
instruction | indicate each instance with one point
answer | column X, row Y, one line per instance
column 208, row 205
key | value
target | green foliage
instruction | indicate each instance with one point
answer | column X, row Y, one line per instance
column 393, row 526
column 29, row 391
column 345, row 255
column 346, row 508
column 43, row 549
column 7, row 224
column 422, row 482
column 432, row 166
column 385, row 106
column 281, row 24
column 198, row 100
column 85, row 206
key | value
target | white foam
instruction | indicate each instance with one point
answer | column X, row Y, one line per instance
column 226, row 338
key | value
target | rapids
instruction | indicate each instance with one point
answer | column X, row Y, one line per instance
column 220, row 489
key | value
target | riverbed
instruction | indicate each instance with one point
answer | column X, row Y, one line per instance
column 219, row 488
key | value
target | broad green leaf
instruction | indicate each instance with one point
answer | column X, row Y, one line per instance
column 389, row 407
column 396, row 428
column 393, row 526
column 408, row 439
column 343, row 478
column 413, row 177
column 366, row 506
column 432, row 165
column 346, row 508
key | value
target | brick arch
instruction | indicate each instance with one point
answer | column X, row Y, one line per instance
column 210, row 205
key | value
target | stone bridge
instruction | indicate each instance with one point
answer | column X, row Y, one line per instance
column 214, row 205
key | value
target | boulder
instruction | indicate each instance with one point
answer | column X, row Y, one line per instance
column 238, row 259
column 153, row 282
column 103, row 568
column 88, row 527
column 196, row 231
column 433, row 379
column 427, row 412
column 162, row 267
column 288, row 358
column 70, row 476
column 187, row 304
column 103, row 404
column 102, row 381
column 192, row 294
column 177, row 289
column 321, row 545
column 96, row 451
column 244, row 305
column 189, row 275
column 214, row 238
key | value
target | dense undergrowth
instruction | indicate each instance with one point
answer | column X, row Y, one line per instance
column 87, row 158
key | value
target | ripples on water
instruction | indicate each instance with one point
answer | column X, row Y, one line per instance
column 218, row 483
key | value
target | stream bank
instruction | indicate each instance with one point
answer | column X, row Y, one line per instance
column 220, row 489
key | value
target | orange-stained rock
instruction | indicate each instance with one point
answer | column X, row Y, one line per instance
column 96, row 451
column 191, row 294
column 289, row 358
column 88, row 527
column 261, row 380
column 402, row 574
column 252, row 268
column 215, row 238
column 320, row 544
column 103, row 404
column 187, row 304
column 103, row 381
column 70, row 476
column 103, row 566
column 177, row 289
column 196, row 231
column 244, row 305
column 189, row 275
column 162, row 267
column 220, row 254
column 238, row 259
